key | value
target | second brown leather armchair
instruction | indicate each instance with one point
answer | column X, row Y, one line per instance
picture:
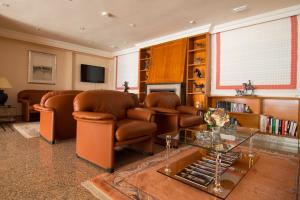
column 56, row 121
column 108, row 119
column 28, row 98
column 170, row 114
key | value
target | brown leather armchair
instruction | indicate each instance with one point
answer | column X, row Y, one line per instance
column 56, row 121
column 28, row 98
column 170, row 114
column 109, row 119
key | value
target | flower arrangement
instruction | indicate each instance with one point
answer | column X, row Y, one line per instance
column 216, row 117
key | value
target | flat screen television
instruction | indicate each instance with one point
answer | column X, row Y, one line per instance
column 92, row 74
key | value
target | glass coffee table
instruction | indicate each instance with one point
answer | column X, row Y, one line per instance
column 215, row 167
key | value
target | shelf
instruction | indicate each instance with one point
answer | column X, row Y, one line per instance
column 194, row 50
column 242, row 113
column 200, row 65
column 144, row 70
column 143, row 81
column 196, row 93
column 142, row 92
column 145, row 58
column 195, row 79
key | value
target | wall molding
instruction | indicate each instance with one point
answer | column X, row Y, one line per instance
column 126, row 51
column 7, row 33
column 257, row 19
column 174, row 36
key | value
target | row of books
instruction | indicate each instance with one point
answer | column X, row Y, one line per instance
column 276, row 126
column 231, row 106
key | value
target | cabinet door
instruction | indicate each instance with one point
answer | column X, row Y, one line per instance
column 168, row 62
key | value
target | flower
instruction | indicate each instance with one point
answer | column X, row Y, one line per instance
column 216, row 117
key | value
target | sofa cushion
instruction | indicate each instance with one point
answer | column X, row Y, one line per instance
column 129, row 129
column 189, row 120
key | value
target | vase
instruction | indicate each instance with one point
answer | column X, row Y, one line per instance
column 216, row 129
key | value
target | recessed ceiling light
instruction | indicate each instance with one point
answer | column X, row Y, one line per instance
column 106, row 14
column 132, row 25
column 192, row 22
column 82, row 28
column 240, row 8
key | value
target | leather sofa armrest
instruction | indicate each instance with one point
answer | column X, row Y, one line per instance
column 93, row 116
column 187, row 110
column 143, row 114
column 165, row 111
column 23, row 101
column 40, row 108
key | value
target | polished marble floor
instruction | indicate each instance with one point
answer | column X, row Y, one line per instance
column 34, row 169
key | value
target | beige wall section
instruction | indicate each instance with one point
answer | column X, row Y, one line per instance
column 80, row 58
column 14, row 56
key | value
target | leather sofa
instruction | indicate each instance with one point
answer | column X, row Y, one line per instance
column 170, row 114
column 28, row 98
column 56, row 120
column 107, row 120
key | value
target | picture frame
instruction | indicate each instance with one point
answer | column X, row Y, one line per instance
column 42, row 68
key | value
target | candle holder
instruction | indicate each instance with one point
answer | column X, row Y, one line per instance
column 168, row 148
column 217, row 182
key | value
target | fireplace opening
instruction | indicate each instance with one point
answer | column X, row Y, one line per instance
column 177, row 88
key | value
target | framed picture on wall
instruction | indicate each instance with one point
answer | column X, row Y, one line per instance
column 42, row 68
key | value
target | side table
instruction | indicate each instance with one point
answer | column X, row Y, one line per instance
column 7, row 115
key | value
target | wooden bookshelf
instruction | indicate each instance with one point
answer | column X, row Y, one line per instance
column 286, row 108
column 198, row 59
column 144, row 66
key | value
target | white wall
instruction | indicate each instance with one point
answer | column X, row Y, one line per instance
column 80, row 58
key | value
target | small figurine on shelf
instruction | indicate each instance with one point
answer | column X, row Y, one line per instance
column 199, row 87
column 147, row 64
column 197, row 60
column 198, row 73
column 248, row 109
column 199, row 45
column 247, row 87
column 126, row 87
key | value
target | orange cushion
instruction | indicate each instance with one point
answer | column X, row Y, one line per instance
column 129, row 129
column 189, row 120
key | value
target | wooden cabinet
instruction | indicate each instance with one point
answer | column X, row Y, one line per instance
column 168, row 62
column 198, row 71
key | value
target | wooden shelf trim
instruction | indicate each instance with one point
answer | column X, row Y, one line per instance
column 194, row 50
column 145, row 58
column 200, row 65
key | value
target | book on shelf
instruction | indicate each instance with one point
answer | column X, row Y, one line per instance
column 231, row 106
column 272, row 125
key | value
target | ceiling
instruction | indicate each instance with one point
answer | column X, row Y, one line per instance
column 81, row 22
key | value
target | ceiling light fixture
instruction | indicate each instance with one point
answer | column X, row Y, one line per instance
column 132, row 25
column 106, row 14
column 240, row 8
column 192, row 22
column 82, row 28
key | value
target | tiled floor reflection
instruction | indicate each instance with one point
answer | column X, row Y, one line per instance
column 34, row 169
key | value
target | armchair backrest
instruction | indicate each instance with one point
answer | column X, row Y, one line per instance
column 51, row 94
column 162, row 99
column 32, row 96
column 105, row 101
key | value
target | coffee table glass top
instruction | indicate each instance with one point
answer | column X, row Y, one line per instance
column 223, row 141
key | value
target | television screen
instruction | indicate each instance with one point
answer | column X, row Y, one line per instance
column 92, row 74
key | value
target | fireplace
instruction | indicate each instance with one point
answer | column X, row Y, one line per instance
column 166, row 87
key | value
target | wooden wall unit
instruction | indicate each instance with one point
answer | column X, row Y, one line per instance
column 168, row 62
column 144, row 67
column 198, row 60
column 286, row 108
